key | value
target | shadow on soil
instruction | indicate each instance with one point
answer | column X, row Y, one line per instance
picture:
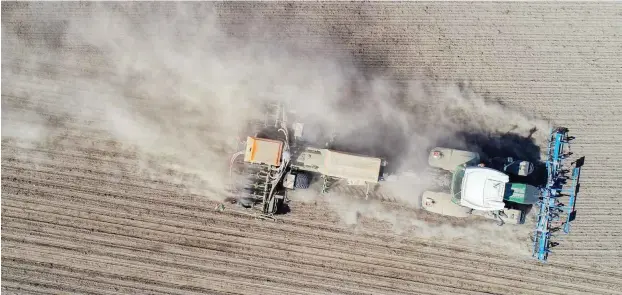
column 508, row 144
column 390, row 143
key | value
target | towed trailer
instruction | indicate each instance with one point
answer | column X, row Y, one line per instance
column 275, row 163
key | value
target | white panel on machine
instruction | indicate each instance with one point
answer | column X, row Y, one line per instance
column 289, row 181
column 483, row 189
column 298, row 127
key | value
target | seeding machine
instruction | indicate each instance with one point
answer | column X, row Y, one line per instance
column 277, row 160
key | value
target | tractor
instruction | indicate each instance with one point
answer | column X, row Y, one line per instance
column 499, row 189
column 275, row 159
column 488, row 188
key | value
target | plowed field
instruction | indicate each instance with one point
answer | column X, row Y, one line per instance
column 86, row 209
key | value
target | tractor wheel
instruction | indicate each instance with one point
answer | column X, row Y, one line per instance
column 561, row 129
column 303, row 180
column 279, row 205
column 246, row 202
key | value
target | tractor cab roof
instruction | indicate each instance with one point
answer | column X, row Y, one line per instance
column 483, row 188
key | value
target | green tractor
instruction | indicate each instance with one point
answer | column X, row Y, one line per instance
column 484, row 188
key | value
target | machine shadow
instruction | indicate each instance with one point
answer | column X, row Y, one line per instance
column 508, row 144
column 284, row 209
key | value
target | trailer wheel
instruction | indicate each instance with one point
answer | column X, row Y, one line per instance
column 302, row 181
column 246, row 202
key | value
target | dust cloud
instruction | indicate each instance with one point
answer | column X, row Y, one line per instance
column 171, row 84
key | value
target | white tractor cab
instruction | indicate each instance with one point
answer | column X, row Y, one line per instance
column 477, row 189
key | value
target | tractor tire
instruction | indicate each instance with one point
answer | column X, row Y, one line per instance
column 279, row 205
column 246, row 202
column 561, row 129
column 303, row 180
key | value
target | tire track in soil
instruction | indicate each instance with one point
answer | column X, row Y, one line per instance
column 244, row 249
column 133, row 245
column 534, row 287
column 560, row 58
column 38, row 175
column 21, row 270
column 353, row 267
column 59, row 183
column 152, row 201
column 241, row 272
column 141, row 272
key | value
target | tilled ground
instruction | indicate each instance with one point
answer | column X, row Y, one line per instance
column 78, row 216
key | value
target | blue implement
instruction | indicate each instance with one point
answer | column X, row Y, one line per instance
column 553, row 215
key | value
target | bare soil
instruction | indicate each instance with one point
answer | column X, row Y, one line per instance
column 80, row 214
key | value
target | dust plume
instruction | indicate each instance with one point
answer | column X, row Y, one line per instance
column 168, row 83
column 171, row 84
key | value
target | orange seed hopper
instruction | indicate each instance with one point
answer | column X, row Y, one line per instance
column 263, row 151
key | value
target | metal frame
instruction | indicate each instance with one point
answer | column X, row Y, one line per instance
column 327, row 183
column 554, row 215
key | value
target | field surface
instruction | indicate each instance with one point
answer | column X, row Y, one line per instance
column 81, row 215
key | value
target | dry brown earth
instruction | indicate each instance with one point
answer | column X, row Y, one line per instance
column 79, row 217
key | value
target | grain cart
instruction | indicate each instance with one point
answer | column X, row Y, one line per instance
column 277, row 160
